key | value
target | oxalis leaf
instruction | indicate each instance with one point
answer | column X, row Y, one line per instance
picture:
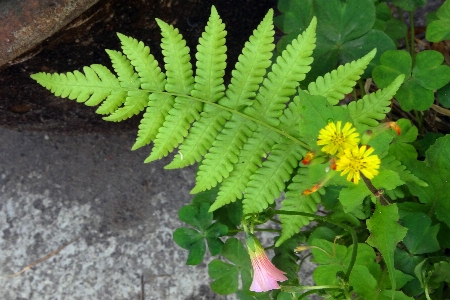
column 385, row 234
column 344, row 32
column 194, row 240
column 226, row 275
column 417, row 91
column 439, row 30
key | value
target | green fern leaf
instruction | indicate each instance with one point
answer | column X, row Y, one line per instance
column 135, row 102
column 128, row 80
column 211, row 60
column 374, row 107
column 208, row 86
column 180, row 81
column 145, row 64
column 281, row 83
column 267, row 183
column 250, row 70
column 251, row 66
column 201, row 136
column 175, row 127
column 219, row 161
column 391, row 163
column 337, row 83
column 250, row 159
column 295, row 201
column 91, row 88
column 154, row 116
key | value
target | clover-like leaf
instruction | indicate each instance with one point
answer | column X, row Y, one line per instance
column 417, row 91
column 385, row 234
column 226, row 275
column 344, row 32
column 439, row 29
column 194, row 240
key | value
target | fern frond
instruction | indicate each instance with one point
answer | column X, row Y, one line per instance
column 175, row 127
column 295, row 201
column 91, row 88
column 249, row 72
column 135, row 102
column 211, row 60
column 251, row 66
column 374, row 107
column 145, row 64
column 335, row 84
column 268, row 181
column 176, row 59
column 250, row 159
column 219, row 161
column 391, row 163
column 180, row 81
column 281, row 83
column 154, row 116
column 201, row 136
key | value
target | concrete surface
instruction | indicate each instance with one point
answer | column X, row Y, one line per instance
column 56, row 187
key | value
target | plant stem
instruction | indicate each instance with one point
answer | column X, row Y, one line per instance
column 412, row 49
column 327, row 220
column 400, row 17
column 361, row 88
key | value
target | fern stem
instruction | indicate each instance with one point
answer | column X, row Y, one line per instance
column 233, row 111
column 327, row 220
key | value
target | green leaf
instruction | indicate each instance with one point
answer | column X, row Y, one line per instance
column 439, row 29
column 296, row 15
column 421, row 237
column 364, row 283
column 436, row 172
column 427, row 75
column 385, row 234
column 429, row 71
column 212, row 235
column 443, row 95
column 227, row 275
column 326, row 252
column 199, row 216
column 392, row 64
column 406, row 263
column 193, row 241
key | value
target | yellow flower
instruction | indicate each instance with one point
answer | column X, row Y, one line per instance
column 336, row 139
column 356, row 160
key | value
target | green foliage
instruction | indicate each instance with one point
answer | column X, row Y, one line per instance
column 226, row 275
column 194, row 240
column 428, row 74
column 439, row 29
column 345, row 31
column 385, row 233
column 257, row 138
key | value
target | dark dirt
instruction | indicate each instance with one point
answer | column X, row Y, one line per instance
column 25, row 105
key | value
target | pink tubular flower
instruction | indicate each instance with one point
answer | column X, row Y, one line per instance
column 265, row 274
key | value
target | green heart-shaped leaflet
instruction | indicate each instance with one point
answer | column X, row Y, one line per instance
column 227, row 275
column 439, row 29
column 344, row 32
column 194, row 240
column 427, row 75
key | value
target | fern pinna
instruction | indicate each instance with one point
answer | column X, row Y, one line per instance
column 250, row 136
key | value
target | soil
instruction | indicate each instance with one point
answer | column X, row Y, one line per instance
column 25, row 105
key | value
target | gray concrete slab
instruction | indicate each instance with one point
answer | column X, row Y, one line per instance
column 56, row 187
